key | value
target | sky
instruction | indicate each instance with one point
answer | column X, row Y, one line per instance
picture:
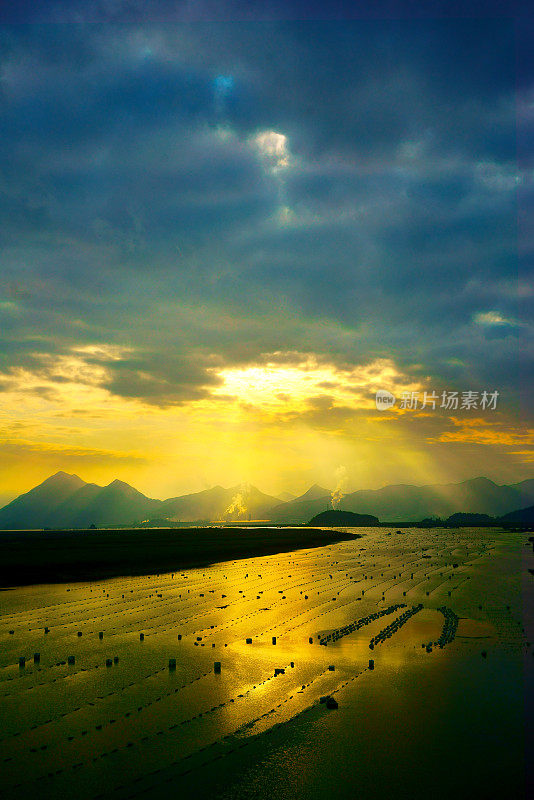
column 224, row 231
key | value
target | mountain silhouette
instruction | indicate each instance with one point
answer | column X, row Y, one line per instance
column 66, row 501
column 35, row 509
column 286, row 496
column 522, row 517
column 405, row 502
column 236, row 503
column 343, row 518
column 315, row 492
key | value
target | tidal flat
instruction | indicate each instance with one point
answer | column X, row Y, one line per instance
column 56, row 556
column 147, row 685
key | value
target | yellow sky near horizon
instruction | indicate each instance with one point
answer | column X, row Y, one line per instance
column 280, row 425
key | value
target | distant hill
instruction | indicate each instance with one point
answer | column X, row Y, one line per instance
column 471, row 520
column 523, row 518
column 315, row 492
column 299, row 510
column 343, row 518
column 117, row 504
column 406, row 502
column 478, row 495
column 65, row 501
column 35, row 509
column 236, row 503
column 285, row 497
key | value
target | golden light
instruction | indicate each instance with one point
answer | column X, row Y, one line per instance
column 275, row 387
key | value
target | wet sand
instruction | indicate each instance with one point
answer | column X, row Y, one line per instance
column 444, row 712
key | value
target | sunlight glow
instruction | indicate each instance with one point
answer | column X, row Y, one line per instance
column 274, row 147
column 276, row 386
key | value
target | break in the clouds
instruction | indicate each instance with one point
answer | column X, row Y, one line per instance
column 183, row 200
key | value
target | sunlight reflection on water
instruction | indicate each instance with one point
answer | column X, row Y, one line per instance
column 246, row 733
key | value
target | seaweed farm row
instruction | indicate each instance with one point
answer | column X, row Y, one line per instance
column 354, row 626
column 393, row 627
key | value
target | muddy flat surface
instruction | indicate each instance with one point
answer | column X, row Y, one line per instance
column 445, row 712
column 30, row 557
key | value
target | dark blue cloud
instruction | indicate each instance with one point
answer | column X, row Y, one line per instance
column 133, row 186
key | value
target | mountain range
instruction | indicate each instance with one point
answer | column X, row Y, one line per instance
column 66, row 501
column 404, row 502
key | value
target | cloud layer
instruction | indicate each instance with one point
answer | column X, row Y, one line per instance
column 183, row 200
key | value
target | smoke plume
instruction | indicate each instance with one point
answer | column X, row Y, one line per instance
column 341, row 486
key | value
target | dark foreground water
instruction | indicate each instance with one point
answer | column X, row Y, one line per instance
column 428, row 721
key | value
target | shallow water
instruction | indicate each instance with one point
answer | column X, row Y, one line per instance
column 444, row 721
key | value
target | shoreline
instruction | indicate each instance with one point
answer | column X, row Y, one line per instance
column 38, row 557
